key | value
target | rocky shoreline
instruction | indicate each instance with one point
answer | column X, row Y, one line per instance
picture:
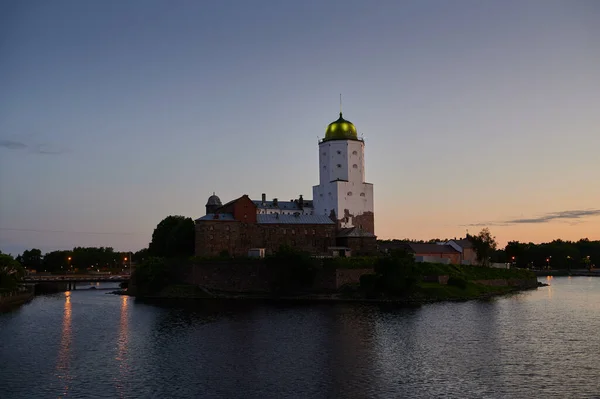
column 12, row 300
column 182, row 293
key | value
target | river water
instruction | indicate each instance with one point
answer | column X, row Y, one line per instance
column 90, row 344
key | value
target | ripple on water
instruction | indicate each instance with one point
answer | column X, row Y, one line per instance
column 89, row 344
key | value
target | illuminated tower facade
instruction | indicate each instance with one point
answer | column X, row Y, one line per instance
column 342, row 192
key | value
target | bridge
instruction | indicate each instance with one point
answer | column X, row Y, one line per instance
column 77, row 279
column 72, row 280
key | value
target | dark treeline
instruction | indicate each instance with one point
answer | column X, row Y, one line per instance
column 557, row 254
column 172, row 238
column 79, row 259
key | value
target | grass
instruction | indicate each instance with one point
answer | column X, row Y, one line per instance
column 472, row 272
column 438, row 292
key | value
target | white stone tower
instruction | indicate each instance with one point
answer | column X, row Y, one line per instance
column 342, row 187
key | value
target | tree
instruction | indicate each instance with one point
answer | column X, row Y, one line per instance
column 151, row 276
column 11, row 272
column 485, row 246
column 140, row 255
column 31, row 259
column 173, row 237
column 56, row 261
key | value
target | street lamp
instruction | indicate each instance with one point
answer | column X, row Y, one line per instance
column 587, row 262
column 69, row 263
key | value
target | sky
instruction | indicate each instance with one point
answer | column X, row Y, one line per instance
column 116, row 114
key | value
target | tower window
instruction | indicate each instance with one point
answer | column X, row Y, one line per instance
column 349, row 194
column 339, row 165
column 355, row 166
column 362, row 194
column 326, row 153
column 354, row 153
column 339, row 152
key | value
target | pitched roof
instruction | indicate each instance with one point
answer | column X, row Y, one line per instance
column 354, row 232
column 275, row 218
column 291, row 205
column 464, row 243
column 217, row 216
column 419, row 248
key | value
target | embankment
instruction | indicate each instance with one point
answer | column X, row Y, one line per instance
column 252, row 279
column 9, row 300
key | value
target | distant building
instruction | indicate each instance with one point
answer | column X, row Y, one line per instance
column 435, row 253
column 339, row 216
column 468, row 256
column 453, row 251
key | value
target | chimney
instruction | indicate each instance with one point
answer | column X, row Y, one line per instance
column 264, row 198
column 275, row 204
column 301, row 202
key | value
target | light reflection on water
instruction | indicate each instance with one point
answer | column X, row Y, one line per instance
column 540, row 343
column 64, row 349
column 122, row 344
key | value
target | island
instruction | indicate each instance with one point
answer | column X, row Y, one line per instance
column 290, row 274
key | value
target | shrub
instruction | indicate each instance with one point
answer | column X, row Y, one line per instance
column 457, row 282
column 151, row 276
column 397, row 275
column 291, row 271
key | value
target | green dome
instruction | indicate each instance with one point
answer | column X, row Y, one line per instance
column 341, row 130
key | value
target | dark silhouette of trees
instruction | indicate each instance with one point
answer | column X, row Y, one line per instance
column 11, row 272
column 485, row 246
column 173, row 237
column 557, row 254
column 31, row 259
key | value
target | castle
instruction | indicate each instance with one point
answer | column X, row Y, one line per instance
column 338, row 221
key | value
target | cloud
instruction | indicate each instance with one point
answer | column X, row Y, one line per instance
column 572, row 217
column 44, row 149
column 12, row 145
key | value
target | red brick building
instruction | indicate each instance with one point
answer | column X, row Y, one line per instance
column 237, row 226
column 242, row 224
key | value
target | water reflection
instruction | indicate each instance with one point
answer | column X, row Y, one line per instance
column 122, row 347
column 523, row 346
column 64, row 349
column 549, row 287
